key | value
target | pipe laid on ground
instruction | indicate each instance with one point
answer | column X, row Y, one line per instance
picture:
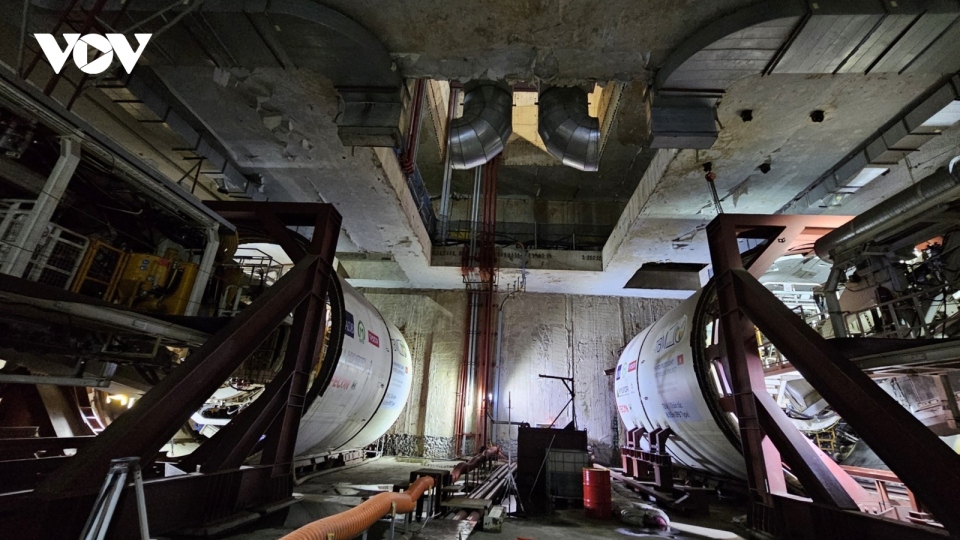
column 489, row 454
column 493, row 484
column 353, row 522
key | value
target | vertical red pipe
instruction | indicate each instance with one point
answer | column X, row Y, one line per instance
column 459, row 416
column 408, row 158
column 488, row 272
column 480, row 295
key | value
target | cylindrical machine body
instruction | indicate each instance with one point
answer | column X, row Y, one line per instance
column 597, row 503
column 369, row 386
column 664, row 378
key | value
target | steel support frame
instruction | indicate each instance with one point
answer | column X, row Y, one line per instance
column 159, row 414
column 908, row 447
column 23, row 247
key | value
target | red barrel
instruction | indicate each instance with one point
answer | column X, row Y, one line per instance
column 596, row 493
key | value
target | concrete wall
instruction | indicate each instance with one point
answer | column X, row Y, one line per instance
column 548, row 334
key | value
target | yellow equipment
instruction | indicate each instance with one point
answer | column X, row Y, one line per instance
column 156, row 284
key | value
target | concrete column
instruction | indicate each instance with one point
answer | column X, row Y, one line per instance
column 21, row 251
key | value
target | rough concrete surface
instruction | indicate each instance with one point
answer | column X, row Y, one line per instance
column 550, row 40
column 547, row 334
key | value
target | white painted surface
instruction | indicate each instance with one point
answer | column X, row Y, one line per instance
column 369, row 388
column 657, row 387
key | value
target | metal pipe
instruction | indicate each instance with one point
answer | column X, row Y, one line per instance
column 483, row 456
column 833, row 303
column 116, row 317
column 482, row 132
column 567, row 129
column 206, row 269
column 447, row 170
column 902, row 207
column 471, row 359
column 475, row 214
column 93, row 382
column 408, row 159
column 496, row 384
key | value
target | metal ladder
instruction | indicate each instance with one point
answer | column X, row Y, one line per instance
column 99, row 520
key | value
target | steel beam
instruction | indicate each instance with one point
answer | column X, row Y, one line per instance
column 818, row 480
column 813, row 521
column 160, row 413
column 918, row 457
column 232, row 444
column 157, row 416
column 305, row 345
column 86, row 382
column 746, row 370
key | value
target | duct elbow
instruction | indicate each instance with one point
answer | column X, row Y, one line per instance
column 482, row 131
column 567, row 129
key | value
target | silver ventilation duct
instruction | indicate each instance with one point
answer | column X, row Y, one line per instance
column 904, row 206
column 481, row 133
column 566, row 127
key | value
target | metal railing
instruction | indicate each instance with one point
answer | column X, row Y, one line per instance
column 56, row 256
column 925, row 313
column 421, row 197
column 254, row 271
column 567, row 236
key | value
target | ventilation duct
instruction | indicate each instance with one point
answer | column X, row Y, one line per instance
column 481, row 133
column 567, row 129
column 904, row 206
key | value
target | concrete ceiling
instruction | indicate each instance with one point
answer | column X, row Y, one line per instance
column 549, row 40
column 669, row 226
column 281, row 124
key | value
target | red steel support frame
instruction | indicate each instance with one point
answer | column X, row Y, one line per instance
column 160, row 413
column 906, row 446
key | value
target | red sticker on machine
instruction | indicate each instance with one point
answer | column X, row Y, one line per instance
column 632, row 366
column 680, row 360
column 374, row 340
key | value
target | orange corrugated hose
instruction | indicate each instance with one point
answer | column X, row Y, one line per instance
column 353, row 522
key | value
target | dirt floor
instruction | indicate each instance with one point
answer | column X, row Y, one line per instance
column 341, row 489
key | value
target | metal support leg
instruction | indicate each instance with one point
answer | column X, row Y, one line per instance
column 157, row 416
column 393, row 520
column 99, row 521
column 913, row 454
column 746, row 369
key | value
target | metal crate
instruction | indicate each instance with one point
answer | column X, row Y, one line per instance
column 565, row 473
